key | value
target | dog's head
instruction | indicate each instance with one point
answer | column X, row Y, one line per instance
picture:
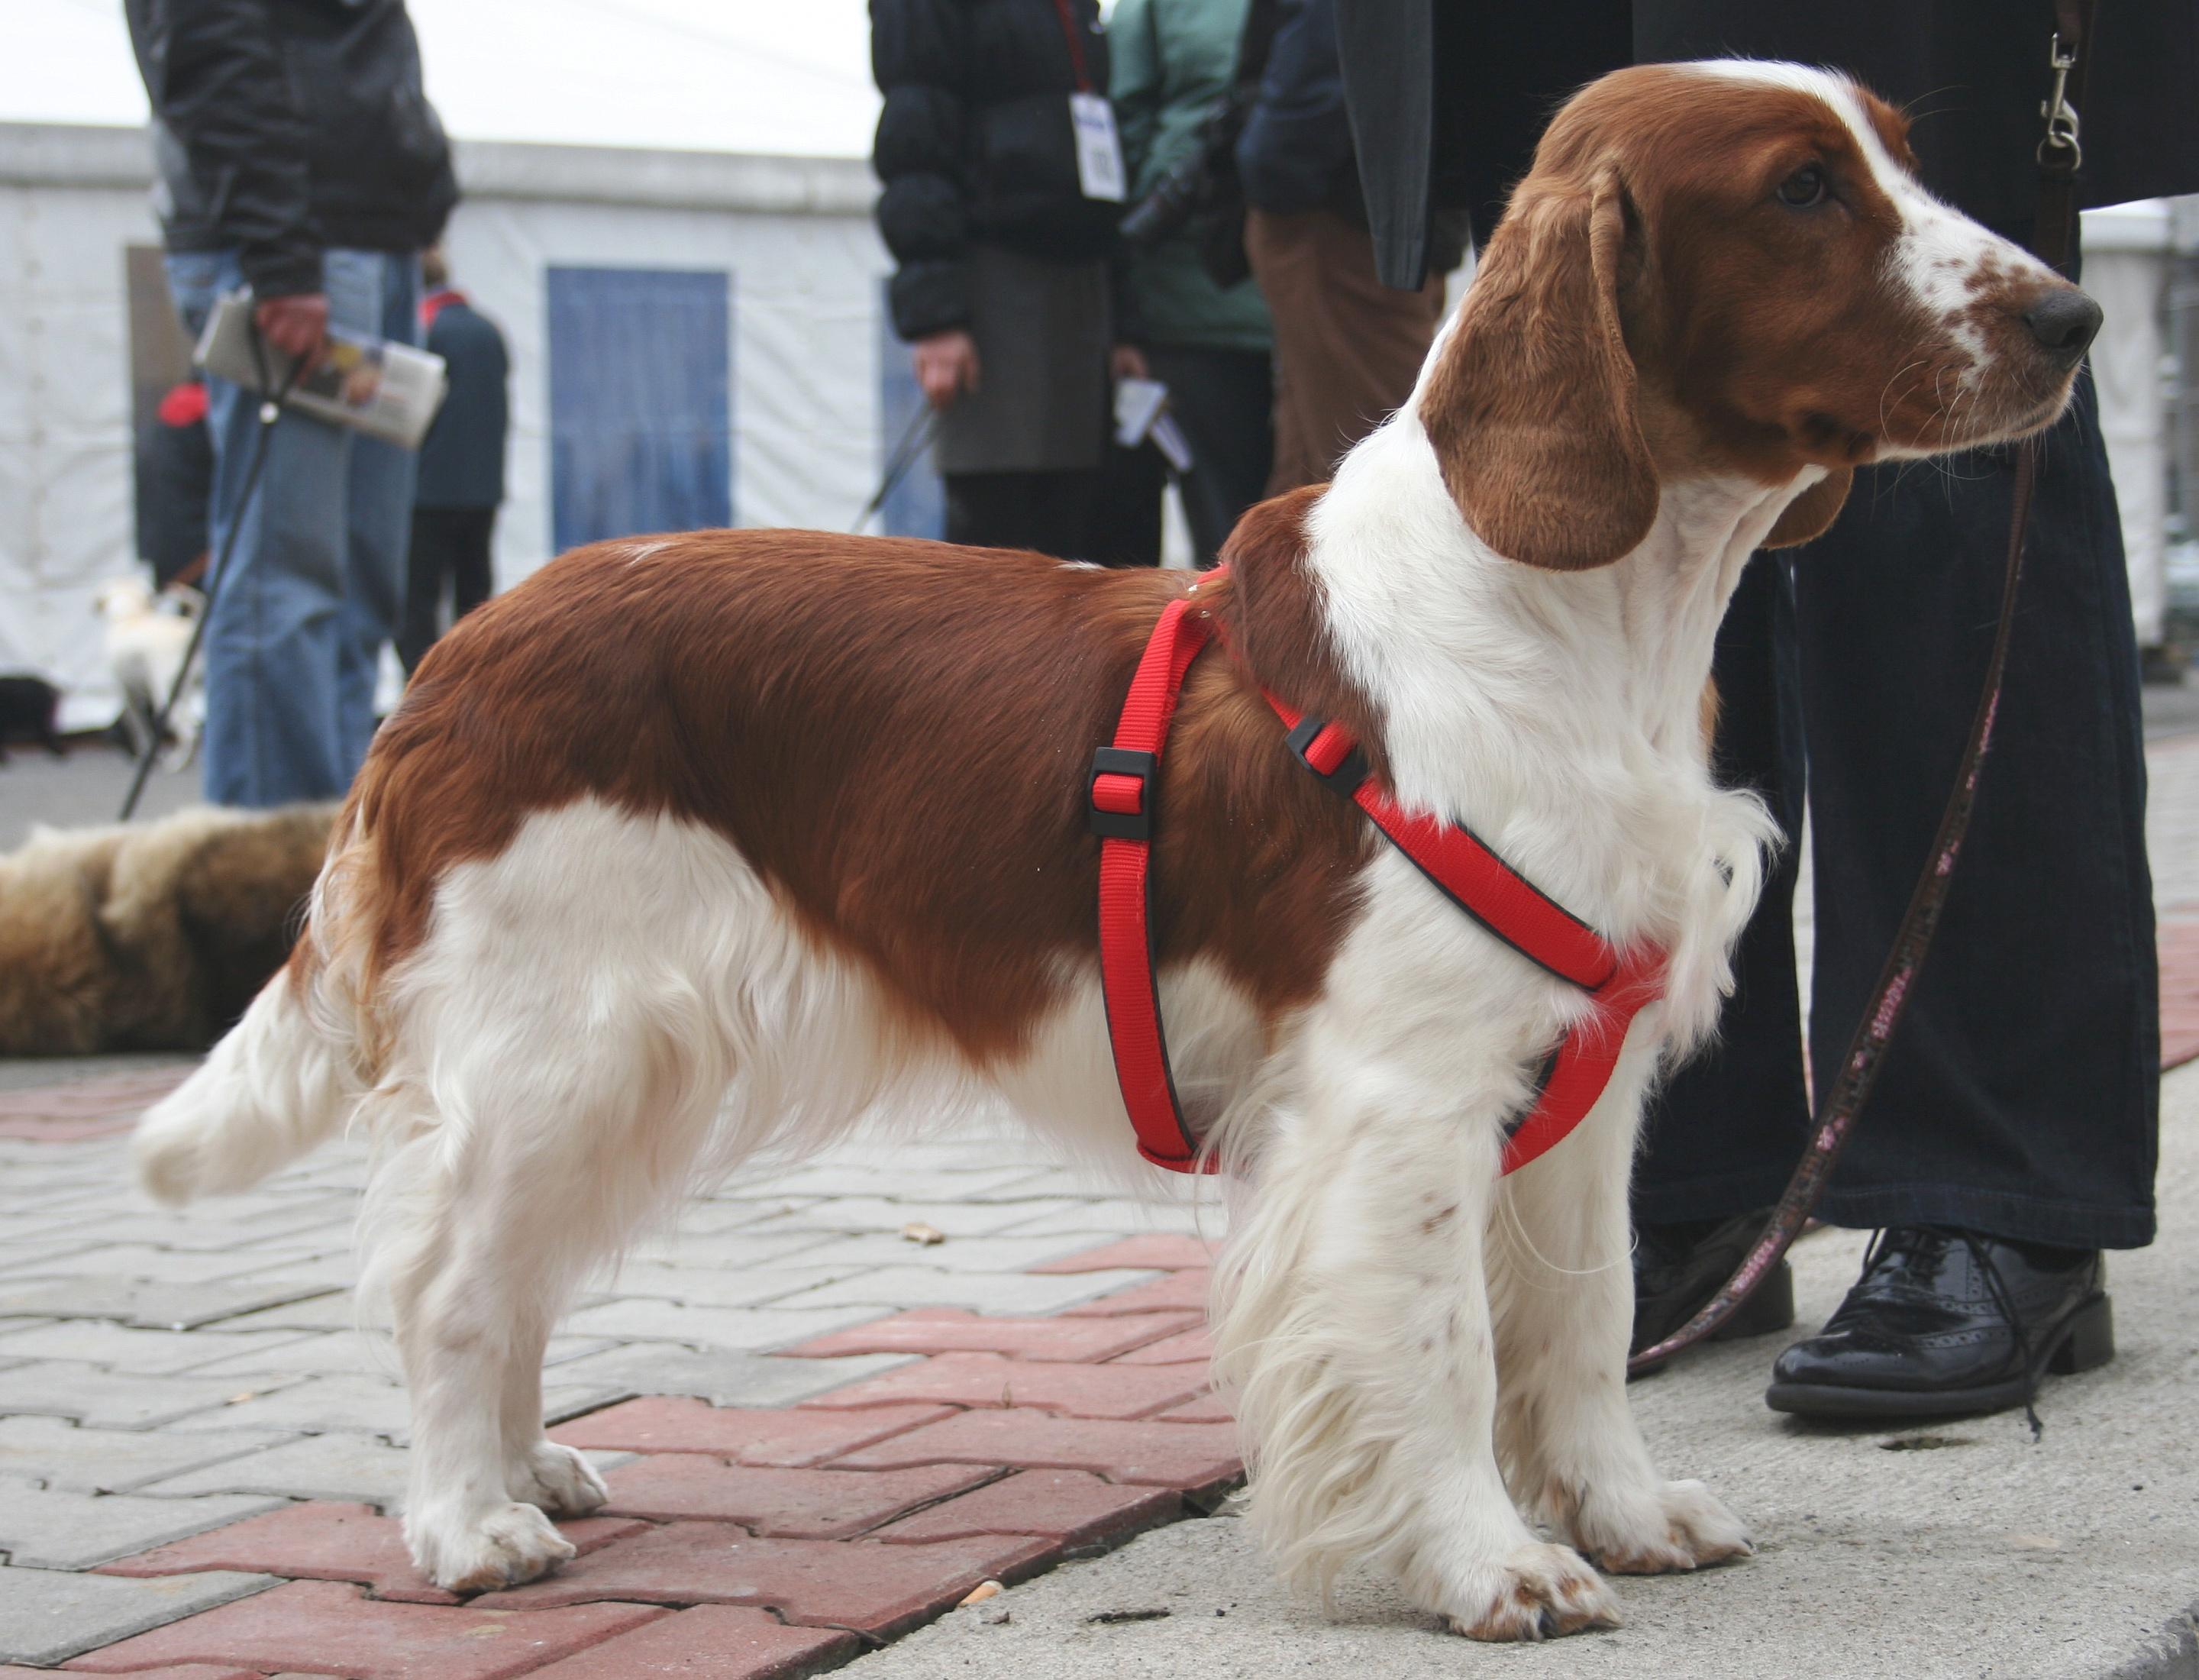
column 122, row 599
column 1729, row 267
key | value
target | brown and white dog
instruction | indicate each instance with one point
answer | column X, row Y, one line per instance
column 698, row 846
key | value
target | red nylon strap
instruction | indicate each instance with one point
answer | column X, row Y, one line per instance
column 1120, row 794
column 1126, row 951
column 1469, row 874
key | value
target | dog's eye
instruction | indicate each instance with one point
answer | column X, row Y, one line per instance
column 1804, row 188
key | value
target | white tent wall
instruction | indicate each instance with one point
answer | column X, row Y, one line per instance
column 793, row 235
column 2126, row 261
column 71, row 199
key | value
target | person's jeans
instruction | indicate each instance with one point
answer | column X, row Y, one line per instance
column 315, row 585
column 2020, row 1096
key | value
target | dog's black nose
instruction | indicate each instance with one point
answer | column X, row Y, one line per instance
column 2064, row 322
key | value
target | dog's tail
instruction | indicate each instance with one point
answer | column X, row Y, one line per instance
column 287, row 1074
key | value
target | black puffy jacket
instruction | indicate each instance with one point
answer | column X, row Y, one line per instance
column 975, row 143
column 284, row 128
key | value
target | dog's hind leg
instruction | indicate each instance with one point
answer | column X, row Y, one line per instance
column 532, row 1168
column 1355, row 1328
column 1562, row 1286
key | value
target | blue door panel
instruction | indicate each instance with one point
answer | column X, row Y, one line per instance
column 640, row 402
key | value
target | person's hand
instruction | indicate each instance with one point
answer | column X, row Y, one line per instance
column 946, row 365
column 1126, row 361
column 297, row 325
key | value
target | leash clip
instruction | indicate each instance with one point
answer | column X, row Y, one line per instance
column 2062, row 124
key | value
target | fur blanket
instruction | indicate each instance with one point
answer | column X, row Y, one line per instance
column 149, row 935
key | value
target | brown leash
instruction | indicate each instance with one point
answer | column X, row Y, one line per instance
column 2054, row 240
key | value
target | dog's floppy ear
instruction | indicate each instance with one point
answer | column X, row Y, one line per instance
column 1812, row 513
column 1532, row 406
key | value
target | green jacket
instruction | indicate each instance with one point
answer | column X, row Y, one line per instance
column 1169, row 62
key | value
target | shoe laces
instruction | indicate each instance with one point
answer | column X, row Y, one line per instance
column 1889, row 1241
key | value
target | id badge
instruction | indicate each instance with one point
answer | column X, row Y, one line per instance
column 1099, row 170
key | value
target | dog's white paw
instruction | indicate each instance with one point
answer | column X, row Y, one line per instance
column 560, row 1480
column 1682, row 1526
column 510, row 1544
column 1540, row 1592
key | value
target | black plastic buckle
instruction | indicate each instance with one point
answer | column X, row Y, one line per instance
column 1347, row 776
column 1136, row 825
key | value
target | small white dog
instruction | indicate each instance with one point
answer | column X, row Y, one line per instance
column 147, row 635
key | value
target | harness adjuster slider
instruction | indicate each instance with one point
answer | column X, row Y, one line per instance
column 1343, row 773
column 1120, row 794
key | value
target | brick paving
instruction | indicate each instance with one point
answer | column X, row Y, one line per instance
column 200, row 1463
column 818, row 1432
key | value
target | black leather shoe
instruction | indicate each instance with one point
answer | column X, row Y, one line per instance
column 1947, row 1322
column 1679, row 1268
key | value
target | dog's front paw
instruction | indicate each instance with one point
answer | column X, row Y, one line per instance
column 560, row 1480
column 1682, row 1526
column 1540, row 1592
column 510, row 1544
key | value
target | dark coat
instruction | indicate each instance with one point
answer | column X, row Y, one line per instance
column 1295, row 153
column 974, row 143
column 284, row 128
column 1973, row 71
column 462, row 456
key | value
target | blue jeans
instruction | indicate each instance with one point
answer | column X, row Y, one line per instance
column 316, row 583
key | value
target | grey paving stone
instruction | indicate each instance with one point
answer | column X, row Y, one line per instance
column 900, row 1180
column 1124, row 1216
column 106, row 1399
column 205, row 1228
column 311, row 1405
column 331, row 1353
column 722, row 1377
column 153, row 1353
column 161, row 1306
column 957, row 1254
column 49, row 1528
column 47, row 1616
column 319, row 1466
column 957, row 1219
column 716, row 1286
column 140, row 1260
column 756, row 1329
column 326, row 1315
column 894, row 1286
column 732, row 1248
column 59, row 1454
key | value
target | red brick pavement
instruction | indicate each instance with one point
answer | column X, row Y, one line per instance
column 745, row 1545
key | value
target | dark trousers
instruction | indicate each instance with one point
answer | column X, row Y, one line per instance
column 1049, row 511
column 1224, row 401
column 2020, row 1096
column 449, row 543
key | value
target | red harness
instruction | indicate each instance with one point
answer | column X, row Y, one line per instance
column 1123, row 779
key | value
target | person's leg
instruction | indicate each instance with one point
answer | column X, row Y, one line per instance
column 272, row 734
column 1223, row 398
column 1285, row 261
column 1124, row 525
column 1353, row 347
column 472, row 567
column 1725, row 1133
column 373, row 291
column 2020, row 1096
column 990, row 510
column 427, row 559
